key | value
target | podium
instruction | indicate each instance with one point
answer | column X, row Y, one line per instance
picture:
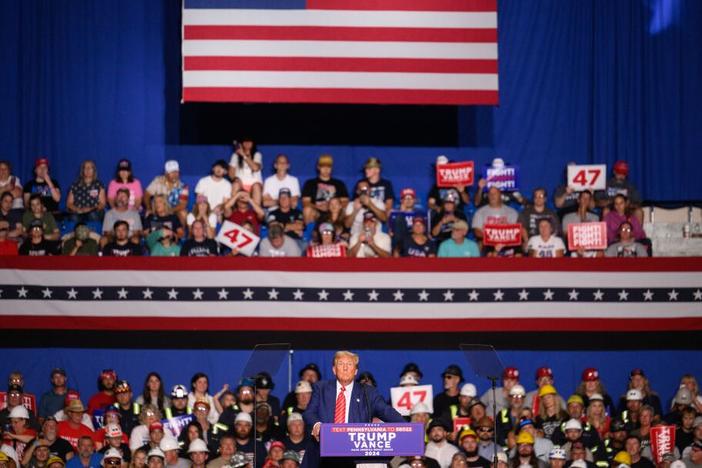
column 367, row 444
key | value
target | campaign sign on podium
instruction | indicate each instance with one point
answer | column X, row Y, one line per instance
column 372, row 440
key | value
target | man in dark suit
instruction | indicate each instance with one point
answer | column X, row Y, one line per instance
column 343, row 400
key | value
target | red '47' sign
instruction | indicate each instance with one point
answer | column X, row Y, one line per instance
column 455, row 174
column 236, row 237
column 504, row 234
column 404, row 398
column 587, row 177
column 588, row 236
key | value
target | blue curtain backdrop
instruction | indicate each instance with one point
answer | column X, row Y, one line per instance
column 177, row 366
column 581, row 80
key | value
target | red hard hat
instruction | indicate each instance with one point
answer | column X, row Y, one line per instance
column 510, row 373
column 544, row 372
column 590, row 374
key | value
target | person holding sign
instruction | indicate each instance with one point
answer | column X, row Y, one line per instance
column 343, row 400
column 495, row 212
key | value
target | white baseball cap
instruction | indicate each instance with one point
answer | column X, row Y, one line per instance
column 246, row 417
column 634, row 394
column 171, row 166
column 19, row 412
column 469, row 390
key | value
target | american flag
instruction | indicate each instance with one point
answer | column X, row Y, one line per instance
column 340, row 51
column 363, row 295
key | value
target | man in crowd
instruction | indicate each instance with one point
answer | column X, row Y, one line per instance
column 530, row 217
column 296, row 438
column 438, row 446
column 351, row 402
column 173, row 188
column 510, row 378
column 303, row 394
column 458, row 245
column 215, row 187
column 317, row 192
column 287, row 215
column 179, row 402
column 227, row 448
column 72, row 429
column 86, row 457
column 495, row 212
column 380, row 189
column 355, row 212
column 277, row 244
column 274, row 185
column 44, row 185
column 452, row 378
column 371, row 241
column 198, row 453
column 243, row 432
column 508, row 417
column 128, row 410
column 122, row 212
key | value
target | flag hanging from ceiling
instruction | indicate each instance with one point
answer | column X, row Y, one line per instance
column 340, row 51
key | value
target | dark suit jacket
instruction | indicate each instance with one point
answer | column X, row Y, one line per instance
column 366, row 404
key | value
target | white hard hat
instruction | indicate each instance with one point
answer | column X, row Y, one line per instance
column 155, row 452
column 573, row 424
column 111, row 453
column 198, row 445
column 634, row 394
column 113, row 430
column 408, row 379
column 517, row 390
column 469, row 390
column 168, row 443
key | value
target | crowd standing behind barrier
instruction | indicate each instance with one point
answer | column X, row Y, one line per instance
column 124, row 425
column 323, row 219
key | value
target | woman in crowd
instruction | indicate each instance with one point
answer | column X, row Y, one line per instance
column 203, row 212
column 86, row 196
column 639, row 381
column 199, row 387
column 124, row 178
column 621, row 211
column 245, row 164
column 153, row 392
column 597, row 415
column 140, row 434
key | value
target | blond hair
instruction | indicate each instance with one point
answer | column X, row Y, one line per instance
column 346, row 354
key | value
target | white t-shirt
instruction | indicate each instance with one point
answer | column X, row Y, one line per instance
column 357, row 225
column 18, row 202
column 273, row 184
column 216, row 191
column 244, row 173
column 546, row 248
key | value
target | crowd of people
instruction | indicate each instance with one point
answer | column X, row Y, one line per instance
column 536, row 425
column 318, row 218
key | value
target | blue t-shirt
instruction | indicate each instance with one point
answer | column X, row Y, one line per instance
column 95, row 460
column 449, row 248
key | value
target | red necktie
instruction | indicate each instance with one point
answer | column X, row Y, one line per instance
column 340, row 409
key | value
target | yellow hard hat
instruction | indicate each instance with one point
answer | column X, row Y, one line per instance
column 467, row 432
column 623, row 457
column 55, row 459
column 575, row 398
column 547, row 390
column 525, row 438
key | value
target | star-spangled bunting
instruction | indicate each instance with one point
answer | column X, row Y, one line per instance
column 353, row 295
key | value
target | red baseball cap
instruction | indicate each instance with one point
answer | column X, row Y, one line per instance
column 621, row 167
column 408, row 192
column 155, row 426
column 41, row 161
